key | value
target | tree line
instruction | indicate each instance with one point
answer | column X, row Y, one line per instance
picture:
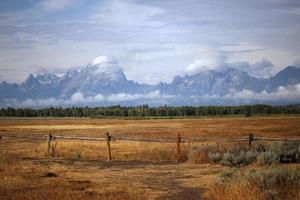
column 147, row 111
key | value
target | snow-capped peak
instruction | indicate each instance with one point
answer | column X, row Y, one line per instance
column 46, row 78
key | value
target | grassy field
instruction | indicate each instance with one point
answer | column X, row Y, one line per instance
column 78, row 170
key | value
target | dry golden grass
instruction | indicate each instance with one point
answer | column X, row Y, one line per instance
column 29, row 180
column 133, row 174
column 244, row 185
column 260, row 126
column 139, row 170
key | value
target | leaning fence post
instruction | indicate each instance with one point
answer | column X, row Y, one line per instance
column 178, row 146
column 251, row 138
column 108, row 138
column 49, row 144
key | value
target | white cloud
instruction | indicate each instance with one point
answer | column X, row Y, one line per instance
column 129, row 97
column 216, row 59
column 36, row 102
column 262, row 68
column 79, row 98
column 118, row 27
column 105, row 64
column 103, row 60
column 209, row 59
column 291, row 92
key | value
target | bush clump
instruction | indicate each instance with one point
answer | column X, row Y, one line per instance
column 287, row 152
column 242, row 158
column 263, row 154
column 214, row 157
column 267, row 158
column 270, row 183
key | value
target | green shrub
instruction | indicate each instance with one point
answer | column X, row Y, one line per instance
column 214, row 157
column 288, row 151
column 250, row 156
column 267, row 158
column 228, row 159
column 242, row 158
column 265, row 154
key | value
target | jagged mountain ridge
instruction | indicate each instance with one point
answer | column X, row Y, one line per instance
column 95, row 79
column 213, row 83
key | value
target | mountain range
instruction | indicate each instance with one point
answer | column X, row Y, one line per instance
column 102, row 82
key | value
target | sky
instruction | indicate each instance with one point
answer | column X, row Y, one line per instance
column 152, row 40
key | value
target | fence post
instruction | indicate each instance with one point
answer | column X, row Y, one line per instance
column 108, row 138
column 251, row 139
column 178, row 146
column 49, row 144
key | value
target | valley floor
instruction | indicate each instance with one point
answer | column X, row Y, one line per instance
column 78, row 170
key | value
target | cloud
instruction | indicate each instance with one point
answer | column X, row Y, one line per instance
column 119, row 97
column 209, row 60
column 155, row 78
column 291, row 93
column 297, row 62
column 107, row 65
column 61, row 33
column 104, row 60
column 79, row 98
column 55, row 5
column 242, row 47
column 288, row 94
column 35, row 102
column 262, row 68
column 130, row 97
column 126, row 14
column 216, row 59
column 282, row 94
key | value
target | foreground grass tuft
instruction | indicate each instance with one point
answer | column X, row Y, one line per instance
column 270, row 183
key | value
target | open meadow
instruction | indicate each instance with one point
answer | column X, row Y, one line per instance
column 147, row 170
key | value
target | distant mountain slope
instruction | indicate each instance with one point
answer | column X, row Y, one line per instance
column 103, row 77
column 213, row 83
column 288, row 76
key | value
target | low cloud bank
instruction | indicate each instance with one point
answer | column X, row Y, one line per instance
column 262, row 68
column 79, row 98
column 282, row 94
column 289, row 93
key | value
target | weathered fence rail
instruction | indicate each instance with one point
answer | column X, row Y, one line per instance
column 108, row 138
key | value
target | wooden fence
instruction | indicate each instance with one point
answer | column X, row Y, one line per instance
column 178, row 140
